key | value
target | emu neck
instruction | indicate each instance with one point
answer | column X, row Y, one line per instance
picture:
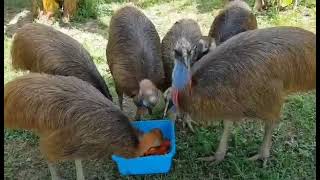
column 180, row 80
column 180, row 76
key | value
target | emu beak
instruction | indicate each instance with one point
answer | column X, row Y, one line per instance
column 146, row 105
column 189, row 65
column 187, row 62
column 149, row 110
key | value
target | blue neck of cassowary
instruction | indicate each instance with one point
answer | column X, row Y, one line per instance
column 180, row 76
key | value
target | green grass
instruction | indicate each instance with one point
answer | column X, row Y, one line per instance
column 293, row 151
column 87, row 9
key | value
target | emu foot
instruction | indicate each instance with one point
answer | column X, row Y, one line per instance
column 217, row 158
column 187, row 121
column 260, row 156
column 189, row 124
column 58, row 178
column 66, row 19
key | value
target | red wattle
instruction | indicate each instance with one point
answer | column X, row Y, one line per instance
column 190, row 86
column 175, row 96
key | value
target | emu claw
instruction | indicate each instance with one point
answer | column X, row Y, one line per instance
column 186, row 122
column 189, row 124
column 213, row 159
column 259, row 156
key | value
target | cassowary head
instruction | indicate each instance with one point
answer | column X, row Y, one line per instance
column 187, row 53
column 148, row 95
column 204, row 45
column 184, row 52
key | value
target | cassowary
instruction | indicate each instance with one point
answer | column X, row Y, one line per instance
column 247, row 76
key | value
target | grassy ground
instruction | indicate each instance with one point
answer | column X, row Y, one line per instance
column 293, row 152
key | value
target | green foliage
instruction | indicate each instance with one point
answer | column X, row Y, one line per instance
column 308, row 3
column 207, row 5
column 17, row 3
column 20, row 135
column 87, row 9
column 284, row 3
column 148, row 3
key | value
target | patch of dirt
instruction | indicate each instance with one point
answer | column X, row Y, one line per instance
column 15, row 20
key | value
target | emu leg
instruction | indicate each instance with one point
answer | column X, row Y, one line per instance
column 120, row 98
column 167, row 97
column 295, row 4
column 69, row 9
column 138, row 114
column 185, row 120
column 264, row 152
column 188, row 122
column 79, row 170
column 49, row 15
column 223, row 145
column 258, row 5
column 121, row 101
column 54, row 171
column 167, row 102
column 66, row 18
column 165, row 109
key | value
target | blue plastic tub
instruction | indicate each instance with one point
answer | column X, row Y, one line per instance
column 149, row 164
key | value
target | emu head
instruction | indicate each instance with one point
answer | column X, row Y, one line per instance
column 188, row 53
column 204, row 45
column 184, row 52
column 148, row 95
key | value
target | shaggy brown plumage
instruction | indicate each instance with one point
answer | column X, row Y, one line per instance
column 73, row 119
column 190, row 32
column 249, row 75
column 69, row 8
column 40, row 48
column 133, row 52
column 236, row 17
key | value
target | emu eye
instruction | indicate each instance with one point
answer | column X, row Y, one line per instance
column 177, row 52
column 194, row 47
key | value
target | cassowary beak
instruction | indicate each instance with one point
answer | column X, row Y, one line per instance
column 149, row 110
column 146, row 105
column 187, row 62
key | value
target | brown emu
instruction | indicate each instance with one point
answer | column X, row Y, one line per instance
column 191, row 47
column 73, row 119
column 40, row 48
column 248, row 76
column 133, row 54
column 236, row 17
